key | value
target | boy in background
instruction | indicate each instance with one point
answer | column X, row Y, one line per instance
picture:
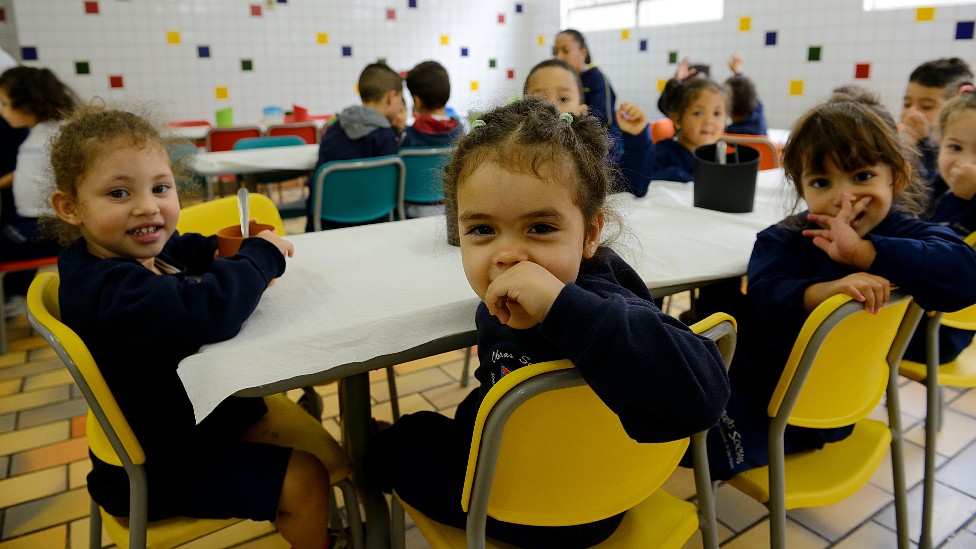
column 430, row 88
column 363, row 131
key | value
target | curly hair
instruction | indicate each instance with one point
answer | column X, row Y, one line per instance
column 530, row 136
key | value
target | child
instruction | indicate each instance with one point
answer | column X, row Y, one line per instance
column 860, row 237
column 430, row 88
column 685, row 70
column 556, row 81
column 698, row 113
column 126, row 289
column 956, row 208
column 928, row 89
column 745, row 108
column 598, row 94
column 363, row 131
column 35, row 99
column 529, row 185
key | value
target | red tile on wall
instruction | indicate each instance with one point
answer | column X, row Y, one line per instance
column 115, row 81
column 501, row 18
column 511, row 74
column 862, row 71
column 391, row 14
column 256, row 10
column 91, row 7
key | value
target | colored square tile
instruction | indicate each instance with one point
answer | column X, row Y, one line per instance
column 91, row 8
column 501, row 18
column 116, row 81
column 925, row 14
column 625, row 34
column 541, row 40
column 672, row 57
column 172, row 37
column 492, row 64
column 745, row 24
column 255, row 10
column 28, row 53
column 81, row 67
column 643, row 45
column 464, row 52
column 660, row 84
column 862, row 71
column 203, row 51
column 321, row 38
column 771, row 38
column 247, row 65
column 220, row 92
column 403, row 74
column 518, row 8
column 390, row 14
column 813, row 53
column 474, row 85
column 445, row 39
column 3, row 14
column 796, row 87
column 412, row 3
column 347, row 51
column 282, row 1
column 964, row 30
column 511, row 74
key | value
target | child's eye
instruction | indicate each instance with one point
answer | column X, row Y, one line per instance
column 564, row 99
column 118, row 193
column 542, row 228
column 863, row 176
column 819, row 183
column 952, row 147
column 161, row 188
column 480, row 230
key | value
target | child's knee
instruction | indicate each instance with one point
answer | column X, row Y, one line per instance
column 305, row 478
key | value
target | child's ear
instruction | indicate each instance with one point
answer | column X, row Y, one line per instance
column 592, row 239
column 584, row 110
column 66, row 207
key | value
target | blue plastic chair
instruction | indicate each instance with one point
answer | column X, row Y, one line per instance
column 358, row 191
column 295, row 208
column 424, row 183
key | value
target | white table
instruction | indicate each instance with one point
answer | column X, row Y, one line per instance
column 269, row 159
column 353, row 300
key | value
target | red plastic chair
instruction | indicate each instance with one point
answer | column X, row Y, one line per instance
column 223, row 139
column 188, row 123
column 770, row 152
column 306, row 130
column 13, row 267
column 661, row 129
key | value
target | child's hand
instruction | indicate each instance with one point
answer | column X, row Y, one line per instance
column 683, row 71
column 962, row 180
column 840, row 240
column 735, row 63
column 917, row 127
column 872, row 290
column 522, row 295
column 631, row 119
column 286, row 248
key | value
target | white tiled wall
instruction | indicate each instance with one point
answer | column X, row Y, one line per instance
column 296, row 49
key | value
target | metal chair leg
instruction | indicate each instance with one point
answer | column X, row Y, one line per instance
column 466, row 370
column 394, row 399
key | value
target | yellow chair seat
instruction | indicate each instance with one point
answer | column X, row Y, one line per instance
column 823, row 477
column 164, row 533
column 960, row 372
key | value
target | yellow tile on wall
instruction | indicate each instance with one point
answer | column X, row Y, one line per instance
column 745, row 24
column 172, row 37
column 445, row 39
column 660, row 84
column 220, row 92
column 796, row 87
column 625, row 34
column 322, row 38
column 925, row 14
column 474, row 85
column 542, row 40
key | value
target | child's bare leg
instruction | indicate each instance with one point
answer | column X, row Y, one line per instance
column 303, row 508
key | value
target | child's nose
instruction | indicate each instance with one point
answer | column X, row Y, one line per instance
column 508, row 254
column 146, row 205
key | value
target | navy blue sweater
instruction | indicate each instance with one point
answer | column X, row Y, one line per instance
column 754, row 124
column 138, row 326
column 635, row 164
column 663, row 381
column 672, row 162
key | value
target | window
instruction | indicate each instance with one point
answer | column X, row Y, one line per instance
column 596, row 15
column 654, row 13
column 870, row 5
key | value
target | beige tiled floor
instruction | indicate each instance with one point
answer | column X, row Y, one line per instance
column 43, row 463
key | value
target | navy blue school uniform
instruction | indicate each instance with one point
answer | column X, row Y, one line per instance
column 960, row 216
column 663, row 381
column 430, row 131
column 358, row 132
column 599, row 97
column 754, row 124
column 138, row 326
column 636, row 162
column 926, row 260
column 672, row 162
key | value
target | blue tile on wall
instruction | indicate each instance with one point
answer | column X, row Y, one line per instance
column 771, row 38
column 643, row 45
column 28, row 53
column 347, row 51
column 518, row 8
column 464, row 52
column 203, row 51
column 412, row 3
column 964, row 30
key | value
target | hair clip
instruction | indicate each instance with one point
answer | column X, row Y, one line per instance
column 566, row 117
column 479, row 123
column 966, row 88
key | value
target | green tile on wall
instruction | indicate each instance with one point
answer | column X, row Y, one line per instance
column 672, row 57
column 81, row 67
column 492, row 63
column 813, row 54
column 247, row 65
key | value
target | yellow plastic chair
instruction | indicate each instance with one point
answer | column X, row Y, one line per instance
column 207, row 218
column 841, row 365
column 112, row 440
column 960, row 372
column 547, row 451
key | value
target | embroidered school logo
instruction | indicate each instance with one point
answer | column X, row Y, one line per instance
column 505, row 371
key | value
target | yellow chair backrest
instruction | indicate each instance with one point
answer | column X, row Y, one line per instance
column 848, row 348
column 44, row 313
column 964, row 319
column 545, row 473
column 207, row 218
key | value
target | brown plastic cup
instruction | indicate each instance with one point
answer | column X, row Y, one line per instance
column 229, row 238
